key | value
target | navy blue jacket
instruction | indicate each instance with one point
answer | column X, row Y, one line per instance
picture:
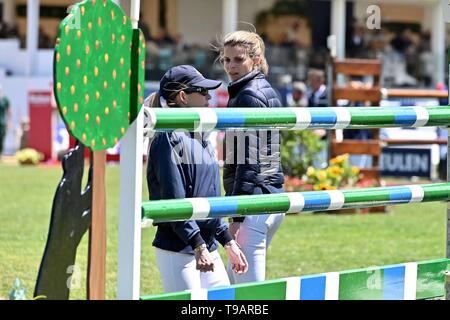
column 260, row 172
column 183, row 165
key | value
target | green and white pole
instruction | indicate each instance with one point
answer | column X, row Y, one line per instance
column 291, row 202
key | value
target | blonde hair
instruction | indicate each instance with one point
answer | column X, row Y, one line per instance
column 251, row 42
column 154, row 101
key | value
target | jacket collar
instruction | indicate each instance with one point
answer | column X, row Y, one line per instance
column 236, row 86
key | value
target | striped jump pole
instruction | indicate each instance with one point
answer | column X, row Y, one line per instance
column 406, row 281
column 292, row 202
column 208, row 119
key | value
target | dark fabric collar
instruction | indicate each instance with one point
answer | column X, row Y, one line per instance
column 236, row 86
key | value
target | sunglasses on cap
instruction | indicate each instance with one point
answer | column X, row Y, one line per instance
column 201, row 90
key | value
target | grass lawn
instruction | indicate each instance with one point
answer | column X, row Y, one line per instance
column 305, row 244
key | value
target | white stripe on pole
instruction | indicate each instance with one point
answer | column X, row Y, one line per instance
column 422, row 116
column 417, row 193
column 303, row 118
column 292, row 288
column 343, row 118
column 208, row 119
column 332, row 286
column 337, row 199
column 297, row 202
column 409, row 292
column 200, row 208
column 199, row 294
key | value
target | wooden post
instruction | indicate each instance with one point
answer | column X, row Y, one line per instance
column 97, row 232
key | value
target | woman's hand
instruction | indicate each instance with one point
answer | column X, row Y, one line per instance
column 204, row 261
column 237, row 258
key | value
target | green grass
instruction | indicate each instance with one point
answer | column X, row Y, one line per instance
column 305, row 244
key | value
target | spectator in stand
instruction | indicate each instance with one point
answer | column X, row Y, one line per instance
column 299, row 97
column 317, row 92
column 5, row 118
column 164, row 38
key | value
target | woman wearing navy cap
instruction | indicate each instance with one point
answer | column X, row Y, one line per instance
column 186, row 251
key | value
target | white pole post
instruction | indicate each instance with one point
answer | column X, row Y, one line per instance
column 438, row 42
column 229, row 16
column 32, row 35
column 131, row 152
column 338, row 26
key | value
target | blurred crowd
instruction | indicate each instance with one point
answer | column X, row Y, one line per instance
column 406, row 54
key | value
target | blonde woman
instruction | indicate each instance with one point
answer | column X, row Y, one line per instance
column 186, row 251
column 252, row 165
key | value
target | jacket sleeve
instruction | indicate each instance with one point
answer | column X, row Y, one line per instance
column 170, row 179
column 222, row 233
column 246, row 173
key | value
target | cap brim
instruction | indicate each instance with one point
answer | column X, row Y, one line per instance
column 208, row 84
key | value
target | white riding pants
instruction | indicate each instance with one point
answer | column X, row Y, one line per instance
column 254, row 237
column 178, row 271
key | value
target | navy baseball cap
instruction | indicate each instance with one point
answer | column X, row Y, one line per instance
column 176, row 78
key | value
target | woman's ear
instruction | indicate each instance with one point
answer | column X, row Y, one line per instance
column 256, row 61
column 183, row 98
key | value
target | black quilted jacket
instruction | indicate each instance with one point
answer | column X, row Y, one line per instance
column 252, row 157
